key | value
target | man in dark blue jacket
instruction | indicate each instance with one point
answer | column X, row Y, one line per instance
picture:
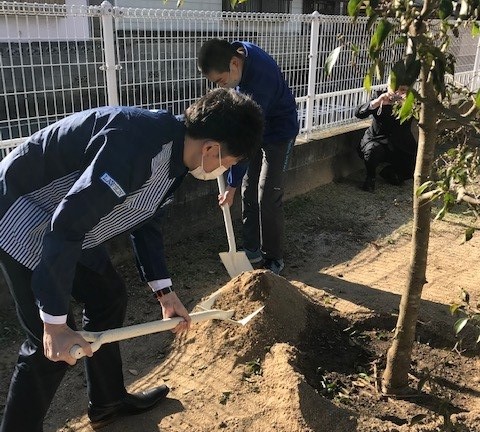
column 252, row 71
column 64, row 192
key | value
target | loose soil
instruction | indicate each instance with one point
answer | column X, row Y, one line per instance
column 313, row 358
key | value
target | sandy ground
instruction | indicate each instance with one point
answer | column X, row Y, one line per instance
column 312, row 359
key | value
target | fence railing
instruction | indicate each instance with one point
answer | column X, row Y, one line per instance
column 59, row 59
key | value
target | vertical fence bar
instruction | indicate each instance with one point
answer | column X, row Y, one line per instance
column 312, row 70
column 110, row 66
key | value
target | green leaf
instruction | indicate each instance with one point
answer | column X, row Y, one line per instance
column 454, row 308
column 408, row 104
column 383, row 29
column 441, row 214
column 353, row 7
column 469, row 233
column 397, row 74
column 233, row 3
column 445, row 9
column 475, row 29
column 477, row 99
column 367, row 82
column 412, row 71
column 423, row 187
column 371, row 21
column 448, row 199
column 379, row 69
column 460, row 324
column 370, row 12
column 331, row 60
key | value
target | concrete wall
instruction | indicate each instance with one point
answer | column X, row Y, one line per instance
column 315, row 161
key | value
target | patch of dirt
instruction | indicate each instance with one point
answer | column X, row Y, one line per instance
column 312, row 359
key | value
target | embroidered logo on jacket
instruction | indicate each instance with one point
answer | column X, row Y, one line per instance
column 113, row 185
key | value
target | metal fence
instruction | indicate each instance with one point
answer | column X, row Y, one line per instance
column 59, row 59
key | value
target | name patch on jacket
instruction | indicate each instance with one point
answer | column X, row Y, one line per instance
column 113, row 185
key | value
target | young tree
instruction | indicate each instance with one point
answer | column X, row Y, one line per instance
column 425, row 27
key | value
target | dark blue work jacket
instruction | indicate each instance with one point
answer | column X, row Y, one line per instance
column 80, row 182
column 263, row 80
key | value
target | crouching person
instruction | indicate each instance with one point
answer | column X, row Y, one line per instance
column 387, row 141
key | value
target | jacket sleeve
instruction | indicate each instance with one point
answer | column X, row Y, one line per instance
column 364, row 110
column 149, row 249
column 236, row 173
column 100, row 187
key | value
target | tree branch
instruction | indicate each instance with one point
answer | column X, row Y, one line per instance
column 453, row 114
column 462, row 195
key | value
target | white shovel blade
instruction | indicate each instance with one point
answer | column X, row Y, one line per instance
column 235, row 263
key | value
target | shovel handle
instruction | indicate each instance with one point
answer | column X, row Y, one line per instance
column 227, row 217
column 97, row 339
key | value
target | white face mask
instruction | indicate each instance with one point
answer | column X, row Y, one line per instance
column 201, row 174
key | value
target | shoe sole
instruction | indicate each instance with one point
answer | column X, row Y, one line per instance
column 255, row 260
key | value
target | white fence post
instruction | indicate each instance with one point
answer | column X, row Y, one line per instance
column 110, row 67
column 312, row 70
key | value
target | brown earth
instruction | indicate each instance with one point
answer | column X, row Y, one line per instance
column 312, row 359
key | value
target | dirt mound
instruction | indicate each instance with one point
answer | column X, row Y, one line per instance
column 283, row 318
column 258, row 368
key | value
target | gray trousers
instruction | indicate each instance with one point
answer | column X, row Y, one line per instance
column 262, row 200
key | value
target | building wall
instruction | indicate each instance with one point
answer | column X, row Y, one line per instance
column 297, row 6
column 37, row 27
column 208, row 5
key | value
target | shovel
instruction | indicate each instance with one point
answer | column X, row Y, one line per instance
column 97, row 339
column 235, row 262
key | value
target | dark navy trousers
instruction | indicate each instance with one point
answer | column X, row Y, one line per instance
column 35, row 378
column 262, row 200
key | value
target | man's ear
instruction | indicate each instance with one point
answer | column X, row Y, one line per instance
column 208, row 146
column 235, row 61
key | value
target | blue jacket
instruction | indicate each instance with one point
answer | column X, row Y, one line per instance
column 81, row 181
column 263, row 80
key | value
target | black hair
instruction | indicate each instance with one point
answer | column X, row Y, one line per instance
column 233, row 119
column 215, row 55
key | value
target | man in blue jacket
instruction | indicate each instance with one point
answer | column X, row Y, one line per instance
column 252, row 71
column 63, row 193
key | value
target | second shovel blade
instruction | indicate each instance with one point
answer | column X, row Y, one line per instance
column 235, row 263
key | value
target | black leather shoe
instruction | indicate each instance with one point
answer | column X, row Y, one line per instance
column 131, row 404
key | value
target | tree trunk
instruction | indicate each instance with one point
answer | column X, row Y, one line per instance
column 395, row 377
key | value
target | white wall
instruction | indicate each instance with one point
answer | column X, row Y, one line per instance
column 38, row 27
column 297, row 6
